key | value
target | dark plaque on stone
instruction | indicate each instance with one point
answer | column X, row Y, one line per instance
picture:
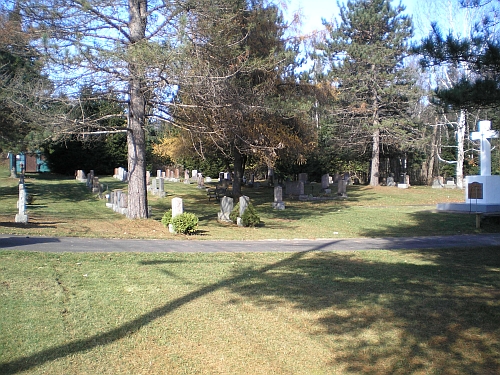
column 475, row 190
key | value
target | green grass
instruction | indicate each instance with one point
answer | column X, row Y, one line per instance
column 369, row 312
column 64, row 207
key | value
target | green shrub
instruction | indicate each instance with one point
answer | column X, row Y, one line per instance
column 235, row 213
column 250, row 217
column 167, row 218
column 185, row 223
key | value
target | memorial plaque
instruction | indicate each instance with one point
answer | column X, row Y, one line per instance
column 475, row 190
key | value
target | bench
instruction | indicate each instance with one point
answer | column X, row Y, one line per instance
column 216, row 193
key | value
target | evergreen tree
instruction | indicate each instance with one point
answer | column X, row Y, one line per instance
column 20, row 78
column 364, row 59
column 479, row 52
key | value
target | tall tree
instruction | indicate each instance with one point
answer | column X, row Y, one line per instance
column 110, row 44
column 20, row 77
column 240, row 93
column 364, row 56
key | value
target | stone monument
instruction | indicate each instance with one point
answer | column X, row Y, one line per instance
column 481, row 192
column 22, row 216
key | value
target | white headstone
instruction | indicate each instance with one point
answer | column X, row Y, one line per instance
column 177, row 206
column 21, row 216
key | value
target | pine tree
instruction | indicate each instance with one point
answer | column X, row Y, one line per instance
column 364, row 56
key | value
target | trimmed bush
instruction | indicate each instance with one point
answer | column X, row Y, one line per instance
column 250, row 217
column 167, row 218
column 185, row 223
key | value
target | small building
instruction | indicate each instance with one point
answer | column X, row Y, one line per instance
column 31, row 162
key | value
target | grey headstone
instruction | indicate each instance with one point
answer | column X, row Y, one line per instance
column 226, row 206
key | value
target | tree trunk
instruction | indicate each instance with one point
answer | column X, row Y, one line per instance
column 136, row 143
column 433, row 157
column 374, row 172
column 460, row 148
column 238, row 173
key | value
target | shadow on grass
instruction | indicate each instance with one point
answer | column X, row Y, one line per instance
column 426, row 222
column 436, row 315
column 29, row 225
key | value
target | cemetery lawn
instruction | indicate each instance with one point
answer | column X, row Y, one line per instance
column 64, row 207
column 366, row 312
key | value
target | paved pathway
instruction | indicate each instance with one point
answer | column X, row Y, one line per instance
column 73, row 244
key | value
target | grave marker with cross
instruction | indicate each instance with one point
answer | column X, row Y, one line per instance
column 484, row 134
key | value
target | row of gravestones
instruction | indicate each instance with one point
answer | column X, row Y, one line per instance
column 116, row 199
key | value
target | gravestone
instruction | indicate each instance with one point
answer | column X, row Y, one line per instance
column 177, row 173
column 121, row 174
column 22, row 216
column 325, row 181
column 342, row 188
column 303, row 177
column 123, row 204
column 160, row 183
column 186, row 176
column 194, row 173
column 390, row 181
column 278, row 203
column 294, row 188
column 226, row 207
column 80, row 175
column 109, row 199
column 117, row 198
column 244, row 202
column 200, row 181
column 177, row 209
column 90, row 179
column 96, row 186
column 158, row 173
column 450, row 183
column 437, row 182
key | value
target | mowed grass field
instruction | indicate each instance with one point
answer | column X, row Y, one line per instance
column 63, row 206
column 366, row 312
column 357, row 312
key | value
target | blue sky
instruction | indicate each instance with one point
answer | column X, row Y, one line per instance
column 314, row 10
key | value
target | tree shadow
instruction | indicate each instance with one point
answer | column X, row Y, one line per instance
column 105, row 338
column 449, row 224
column 440, row 312
column 24, row 241
column 388, row 316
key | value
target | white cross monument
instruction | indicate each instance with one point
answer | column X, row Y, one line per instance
column 484, row 134
column 482, row 192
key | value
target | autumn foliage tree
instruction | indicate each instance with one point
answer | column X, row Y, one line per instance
column 240, row 95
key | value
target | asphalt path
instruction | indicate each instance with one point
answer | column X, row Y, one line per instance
column 89, row 245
